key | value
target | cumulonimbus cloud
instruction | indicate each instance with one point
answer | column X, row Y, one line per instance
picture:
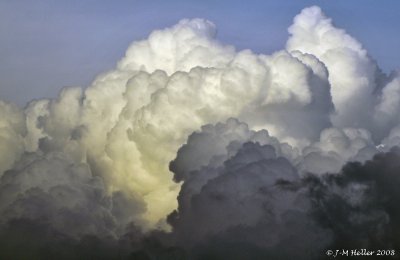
column 97, row 161
column 247, row 200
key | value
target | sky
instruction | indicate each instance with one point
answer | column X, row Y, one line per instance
column 46, row 45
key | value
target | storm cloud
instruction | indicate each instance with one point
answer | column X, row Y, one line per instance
column 189, row 149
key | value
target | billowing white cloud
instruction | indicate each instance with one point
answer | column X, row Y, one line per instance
column 359, row 89
column 351, row 72
column 102, row 155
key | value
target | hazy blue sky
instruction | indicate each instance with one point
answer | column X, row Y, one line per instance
column 45, row 45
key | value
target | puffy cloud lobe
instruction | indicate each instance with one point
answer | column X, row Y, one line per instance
column 51, row 189
column 335, row 148
column 211, row 147
column 351, row 71
column 182, row 47
column 296, row 105
column 214, row 144
column 243, row 204
column 358, row 88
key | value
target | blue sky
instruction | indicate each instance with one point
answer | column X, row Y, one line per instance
column 45, row 45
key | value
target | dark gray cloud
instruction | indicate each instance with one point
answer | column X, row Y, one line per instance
column 255, row 204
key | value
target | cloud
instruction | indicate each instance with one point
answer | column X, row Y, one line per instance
column 252, row 199
column 240, row 201
column 261, row 168
column 358, row 87
column 151, row 100
column 12, row 130
column 52, row 189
